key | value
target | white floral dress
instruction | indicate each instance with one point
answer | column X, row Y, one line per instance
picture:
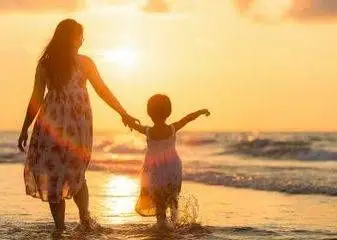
column 61, row 142
column 161, row 174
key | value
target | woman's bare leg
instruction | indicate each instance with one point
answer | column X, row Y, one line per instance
column 161, row 216
column 58, row 212
column 82, row 201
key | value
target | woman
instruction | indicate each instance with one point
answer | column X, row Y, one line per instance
column 60, row 146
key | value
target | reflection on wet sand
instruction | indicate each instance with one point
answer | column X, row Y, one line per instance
column 224, row 213
column 123, row 192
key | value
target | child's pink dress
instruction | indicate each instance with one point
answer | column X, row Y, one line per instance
column 161, row 175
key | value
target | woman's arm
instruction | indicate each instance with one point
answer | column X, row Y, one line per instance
column 33, row 107
column 189, row 118
column 100, row 87
column 104, row 92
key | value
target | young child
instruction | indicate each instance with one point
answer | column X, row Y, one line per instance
column 162, row 171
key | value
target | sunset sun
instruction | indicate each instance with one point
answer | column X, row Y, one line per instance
column 123, row 57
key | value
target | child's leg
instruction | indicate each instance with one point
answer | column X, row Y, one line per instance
column 174, row 210
column 82, row 201
column 58, row 212
column 160, row 210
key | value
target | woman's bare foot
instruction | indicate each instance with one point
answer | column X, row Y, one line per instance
column 57, row 233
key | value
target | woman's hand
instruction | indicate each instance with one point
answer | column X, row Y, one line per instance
column 22, row 142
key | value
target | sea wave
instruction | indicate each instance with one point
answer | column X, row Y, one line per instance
column 280, row 149
column 261, row 183
column 129, row 167
column 285, row 179
column 11, row 145
column 221, row 161
column 269, row 147
column 125, row 149
column 9, row 156
column 9, row 152
column 200, row 141
column 108, row 146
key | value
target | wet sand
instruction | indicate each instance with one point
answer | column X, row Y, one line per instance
column 223, row 213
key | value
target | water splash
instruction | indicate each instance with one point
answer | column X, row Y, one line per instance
column 188, row 212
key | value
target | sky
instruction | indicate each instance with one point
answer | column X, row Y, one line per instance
column 257, row 65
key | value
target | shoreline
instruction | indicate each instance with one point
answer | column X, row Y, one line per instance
column 135, row 174
column 222, row 211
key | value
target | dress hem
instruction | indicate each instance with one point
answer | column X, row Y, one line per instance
column 43, row 200
column 143, row 215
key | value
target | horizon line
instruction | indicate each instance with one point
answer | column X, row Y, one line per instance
column 217, row 131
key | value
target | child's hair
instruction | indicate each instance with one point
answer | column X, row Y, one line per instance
column 159, row 107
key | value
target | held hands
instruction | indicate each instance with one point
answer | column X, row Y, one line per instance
column 130, row 121
column 22, row 142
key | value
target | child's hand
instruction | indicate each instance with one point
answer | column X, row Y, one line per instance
column 130, row 121
column 205, row 112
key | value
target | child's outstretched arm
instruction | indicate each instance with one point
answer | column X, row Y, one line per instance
column 189, row 118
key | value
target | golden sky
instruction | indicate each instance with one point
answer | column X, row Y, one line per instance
column 255, row 65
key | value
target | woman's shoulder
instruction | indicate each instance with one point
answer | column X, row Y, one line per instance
column 86, row 63
column 85, row 59
column 41, row 69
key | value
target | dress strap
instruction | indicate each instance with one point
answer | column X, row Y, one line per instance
column 147, row 131
column 173, row 130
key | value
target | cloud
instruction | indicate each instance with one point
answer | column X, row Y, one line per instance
column 159, row 6
column 148, row 6
column 301, row 10
column 243, row 5
column 313, row 9
column 40, row 5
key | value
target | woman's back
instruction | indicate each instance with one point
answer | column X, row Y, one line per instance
column 77, row 79
column 62, row 138
column 60, row 146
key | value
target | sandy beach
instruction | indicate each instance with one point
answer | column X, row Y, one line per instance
column 235, row 99
column 223, row 213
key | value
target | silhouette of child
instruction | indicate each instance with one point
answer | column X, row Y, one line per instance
column 162, row 170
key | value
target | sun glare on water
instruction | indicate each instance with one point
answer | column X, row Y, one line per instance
column 122, row 186
column 122, row 192
column 123, row 57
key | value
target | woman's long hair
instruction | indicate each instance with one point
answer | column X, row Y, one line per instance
column 58, row 57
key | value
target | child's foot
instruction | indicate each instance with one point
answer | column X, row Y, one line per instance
column 174, row 218
column 165, row 225
column 88, row 224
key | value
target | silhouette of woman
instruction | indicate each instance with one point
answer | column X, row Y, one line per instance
column 60, row 146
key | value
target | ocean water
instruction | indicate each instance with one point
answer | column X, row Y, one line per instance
column 295, row 175
column 295, row 163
